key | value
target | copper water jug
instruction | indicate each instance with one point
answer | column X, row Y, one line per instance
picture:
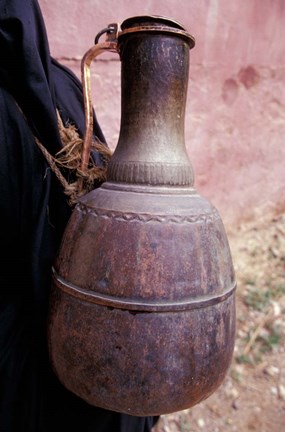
column 142, row 317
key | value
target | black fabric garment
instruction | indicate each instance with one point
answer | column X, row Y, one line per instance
column 33, row 215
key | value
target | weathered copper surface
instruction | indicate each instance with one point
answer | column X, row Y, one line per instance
column 142, row 316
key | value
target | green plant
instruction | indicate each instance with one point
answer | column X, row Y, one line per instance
column 185, row 425
column 272, row 339
column 257, row 299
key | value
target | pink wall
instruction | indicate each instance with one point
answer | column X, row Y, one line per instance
column 235, row 121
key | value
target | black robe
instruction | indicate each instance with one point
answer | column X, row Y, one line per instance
column 33, row 215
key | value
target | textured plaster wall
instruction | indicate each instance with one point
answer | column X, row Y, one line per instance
column 235, row 120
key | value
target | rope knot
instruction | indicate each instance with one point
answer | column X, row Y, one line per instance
column 69, row 158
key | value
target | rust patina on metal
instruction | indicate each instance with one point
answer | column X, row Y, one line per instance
column 142, row 316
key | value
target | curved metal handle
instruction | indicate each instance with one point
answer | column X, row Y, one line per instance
column 112, row 46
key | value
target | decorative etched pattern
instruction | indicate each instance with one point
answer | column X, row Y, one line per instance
column 151, row 173
column 199, row 217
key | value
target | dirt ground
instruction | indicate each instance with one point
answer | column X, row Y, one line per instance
column 252, row 397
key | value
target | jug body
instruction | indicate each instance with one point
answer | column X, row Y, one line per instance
column 142, row 316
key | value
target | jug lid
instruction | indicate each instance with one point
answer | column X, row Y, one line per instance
column 152, row 19
column 151, row 22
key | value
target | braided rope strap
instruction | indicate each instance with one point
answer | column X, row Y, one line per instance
column 69, row 157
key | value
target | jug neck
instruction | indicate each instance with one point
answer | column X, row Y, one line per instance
column 154, row 75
